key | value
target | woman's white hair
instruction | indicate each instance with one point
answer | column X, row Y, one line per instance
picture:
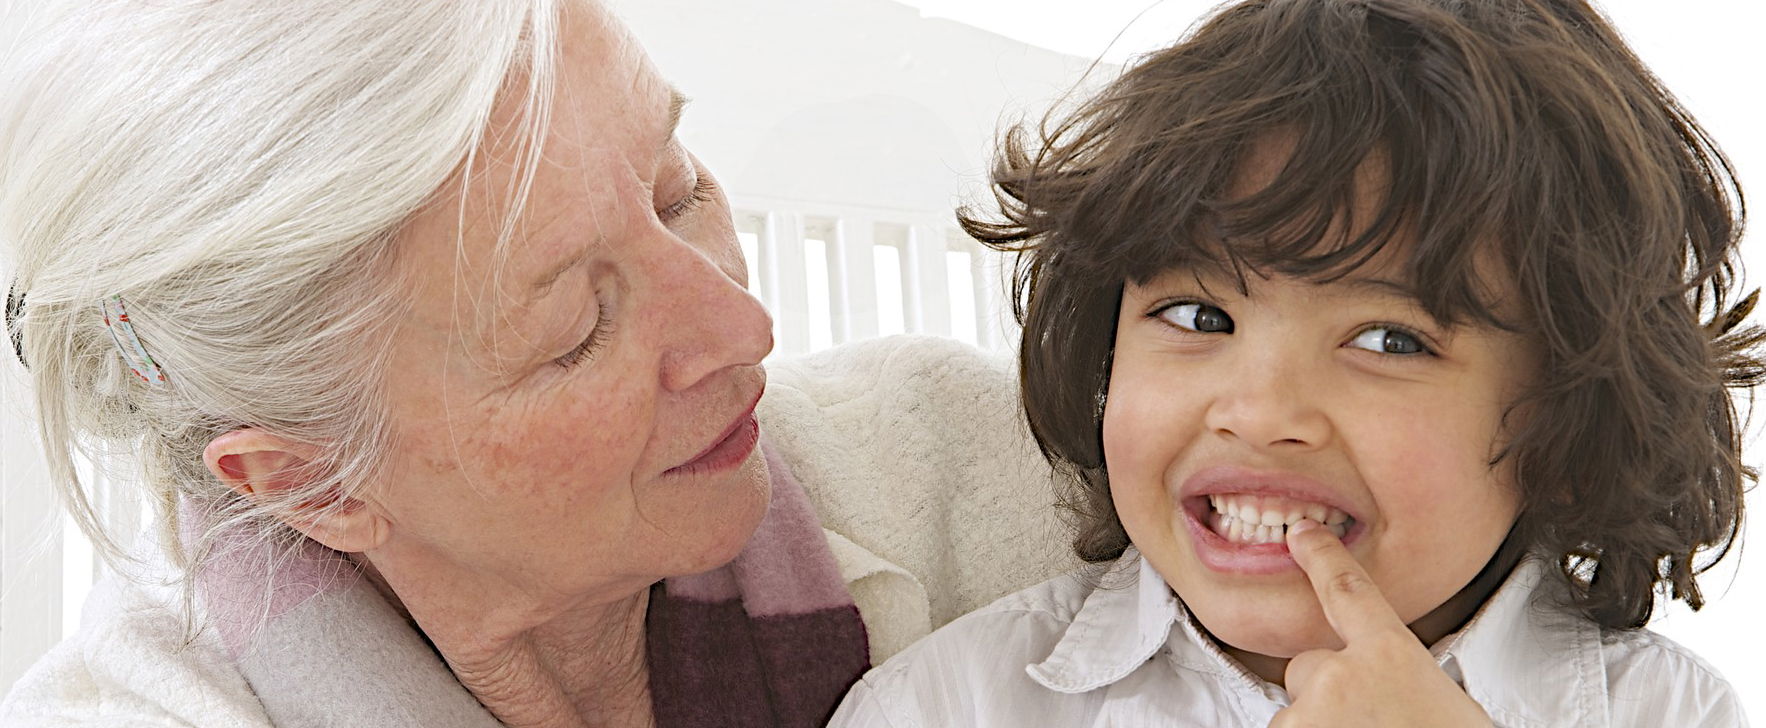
column 236, row 171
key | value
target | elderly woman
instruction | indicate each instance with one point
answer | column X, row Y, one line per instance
column 433, row 344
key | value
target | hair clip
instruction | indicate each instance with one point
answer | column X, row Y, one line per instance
column 134, row 354
column 15, row 310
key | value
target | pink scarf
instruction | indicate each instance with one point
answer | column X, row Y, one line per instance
column 770, row 639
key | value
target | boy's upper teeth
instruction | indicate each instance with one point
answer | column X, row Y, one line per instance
column 1269, row 510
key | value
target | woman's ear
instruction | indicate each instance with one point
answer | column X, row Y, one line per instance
column 267, row 469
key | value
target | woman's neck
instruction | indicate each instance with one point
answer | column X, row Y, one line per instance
column 533, row 666
column 596, row 656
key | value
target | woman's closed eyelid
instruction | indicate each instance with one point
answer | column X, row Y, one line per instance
column 592, row 345
column 701, row 193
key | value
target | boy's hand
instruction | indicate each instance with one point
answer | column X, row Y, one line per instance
column 1383, row 676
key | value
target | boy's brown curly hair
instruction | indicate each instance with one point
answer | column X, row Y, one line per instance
column 1524, row 132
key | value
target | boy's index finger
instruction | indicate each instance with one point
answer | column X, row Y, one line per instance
column 1351, row 601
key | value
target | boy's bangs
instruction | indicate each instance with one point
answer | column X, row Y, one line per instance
column 1304, row 158
column 1325, row 212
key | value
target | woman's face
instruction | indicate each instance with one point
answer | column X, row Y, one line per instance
column 576, row 414
column 1232, row 414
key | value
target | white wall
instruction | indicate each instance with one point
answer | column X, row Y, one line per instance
column 30, row 529
column 856, row 102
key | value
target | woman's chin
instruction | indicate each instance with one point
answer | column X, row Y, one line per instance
column 727, row 528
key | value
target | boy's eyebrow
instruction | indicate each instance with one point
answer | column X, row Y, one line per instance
column 1382, row 286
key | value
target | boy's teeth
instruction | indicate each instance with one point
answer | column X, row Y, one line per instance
column 1265, row 519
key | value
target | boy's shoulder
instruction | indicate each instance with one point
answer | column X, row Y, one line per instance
column 1016, row 630
column 1037, row 617
column 1530, row 659
column 973, row 671
column 1653, row 680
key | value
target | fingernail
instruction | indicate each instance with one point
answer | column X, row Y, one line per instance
column 1303, row 526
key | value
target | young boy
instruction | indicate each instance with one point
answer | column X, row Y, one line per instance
column 1389, row 344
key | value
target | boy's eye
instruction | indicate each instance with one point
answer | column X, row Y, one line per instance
column 1389, row 340
column 1198, row 317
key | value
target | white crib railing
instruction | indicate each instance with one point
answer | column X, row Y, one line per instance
column 834, row 275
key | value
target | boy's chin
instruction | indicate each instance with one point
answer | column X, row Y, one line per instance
column 1270, row 634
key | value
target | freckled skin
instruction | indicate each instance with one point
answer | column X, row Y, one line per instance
column 531, row 488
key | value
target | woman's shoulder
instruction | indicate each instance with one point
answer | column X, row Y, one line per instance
column 915, row 449
column 132, row 662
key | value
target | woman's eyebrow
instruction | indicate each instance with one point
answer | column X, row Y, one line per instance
column 543, row 285
column 677, row 104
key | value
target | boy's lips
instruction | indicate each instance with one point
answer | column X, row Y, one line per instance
column 1248, row 538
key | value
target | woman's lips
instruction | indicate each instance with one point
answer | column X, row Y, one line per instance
column 728, row 452
column 730, row 449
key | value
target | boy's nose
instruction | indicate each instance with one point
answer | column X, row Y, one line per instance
column 1268, row 404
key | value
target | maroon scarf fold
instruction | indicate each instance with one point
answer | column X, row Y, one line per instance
column 772, row 639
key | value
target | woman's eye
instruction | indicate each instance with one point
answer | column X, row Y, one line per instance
column 590, row 347
column 703, row 191
column 1389, row 340
column 1198, row 317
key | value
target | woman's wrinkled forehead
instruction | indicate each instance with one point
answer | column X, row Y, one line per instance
column 533, row 203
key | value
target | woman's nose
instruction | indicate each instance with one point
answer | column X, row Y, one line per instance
column 710, row 322
column 1267, row 402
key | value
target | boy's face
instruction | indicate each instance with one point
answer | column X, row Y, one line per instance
column 1343, row 402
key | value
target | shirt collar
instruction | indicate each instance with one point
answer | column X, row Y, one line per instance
column 1528, row 658
column 1524, row 657
column 1096, row 650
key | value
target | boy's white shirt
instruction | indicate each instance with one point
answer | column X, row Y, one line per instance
column 1126, row 653
column 913, row 449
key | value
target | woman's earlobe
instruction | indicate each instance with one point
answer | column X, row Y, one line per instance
column 277, row 474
